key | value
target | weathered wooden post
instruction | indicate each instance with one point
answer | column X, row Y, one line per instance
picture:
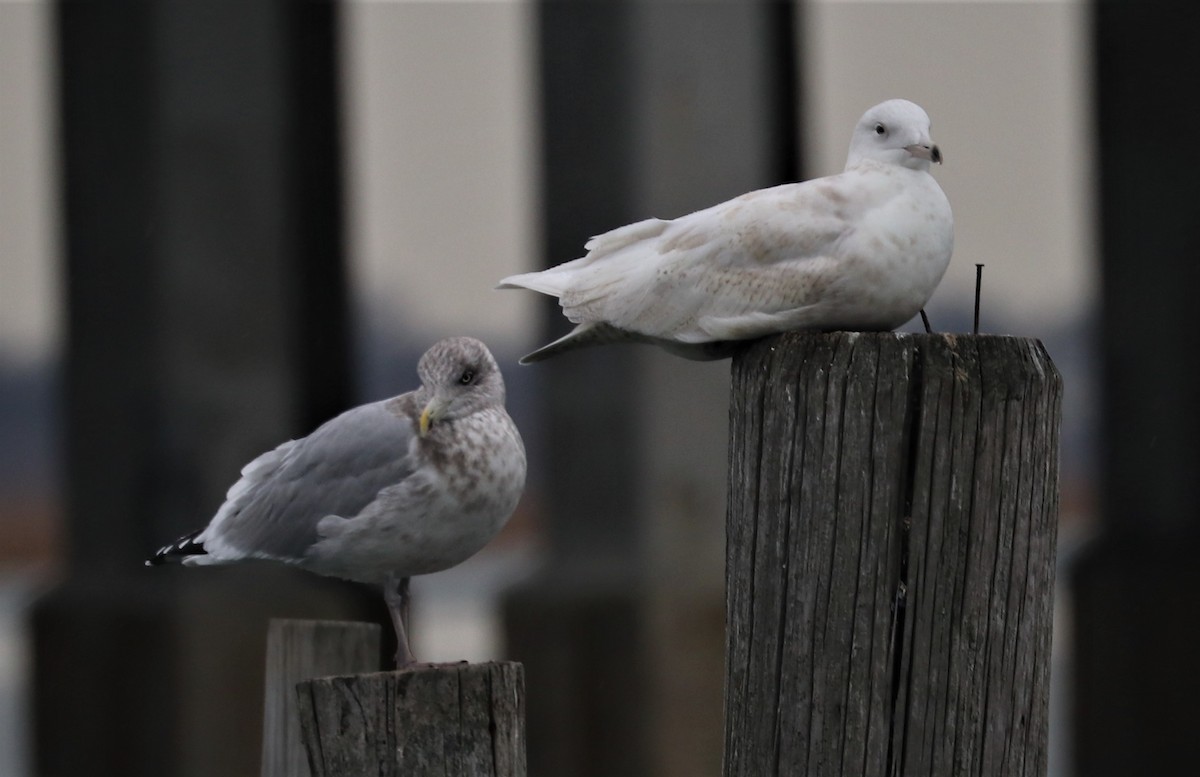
column 462, row 719
column 893, row 502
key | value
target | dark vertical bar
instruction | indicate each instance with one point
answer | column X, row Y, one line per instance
column 1136, row 684
column 716, row 117
column 784, row 21
column 587, row 67
column 109, row 155
column 978, row 292
column 314, row 122
column 648, row 109
column 1149, row 240
column 577, row 626
column 206, row 323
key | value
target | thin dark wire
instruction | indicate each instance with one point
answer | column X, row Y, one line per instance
column 925, row 321
column 978, row 285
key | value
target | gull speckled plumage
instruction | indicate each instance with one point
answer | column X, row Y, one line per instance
column 860, row 250
column 406, row 486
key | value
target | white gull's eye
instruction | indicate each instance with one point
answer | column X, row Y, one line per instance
column 880, row 129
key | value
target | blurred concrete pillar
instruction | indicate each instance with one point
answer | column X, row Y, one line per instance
column 577, row 625
column 206, row 323
column 649, row 109
column 1137, row 588
column 716, row 116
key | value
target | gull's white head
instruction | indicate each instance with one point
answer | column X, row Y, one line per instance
column 894, row 132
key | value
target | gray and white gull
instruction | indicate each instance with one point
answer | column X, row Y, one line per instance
column 406, row 486
column 860, row 250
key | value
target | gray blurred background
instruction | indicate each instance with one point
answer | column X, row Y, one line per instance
column 221, row 223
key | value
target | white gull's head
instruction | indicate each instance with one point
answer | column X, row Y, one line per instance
column 894, row 132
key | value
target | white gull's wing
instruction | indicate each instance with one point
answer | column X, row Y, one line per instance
column 720, row 272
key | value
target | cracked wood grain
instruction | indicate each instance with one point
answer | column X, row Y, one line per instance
column 460, row 720
column 893, row 504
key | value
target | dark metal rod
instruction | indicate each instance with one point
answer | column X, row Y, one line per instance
column 978, row 285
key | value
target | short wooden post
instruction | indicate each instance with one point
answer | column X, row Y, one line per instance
column 466, row 720
column 893, row 502
column 298, row 650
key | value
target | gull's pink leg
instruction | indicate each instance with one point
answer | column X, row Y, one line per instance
column 395, row 593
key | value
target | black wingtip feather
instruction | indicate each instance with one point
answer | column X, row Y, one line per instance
column 178, row 550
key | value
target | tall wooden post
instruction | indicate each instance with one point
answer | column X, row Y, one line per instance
column 890, row 564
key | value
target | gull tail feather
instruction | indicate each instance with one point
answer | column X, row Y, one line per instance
column 183, row 549
column 622, row 237
column 565, row 277
column 582, row 336
column 544, row 281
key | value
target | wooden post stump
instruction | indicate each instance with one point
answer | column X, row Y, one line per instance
column 463, row 719
column 299, row 650
column 893, row 502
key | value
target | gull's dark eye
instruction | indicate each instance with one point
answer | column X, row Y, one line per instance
column 467, row 378
column 880, row 129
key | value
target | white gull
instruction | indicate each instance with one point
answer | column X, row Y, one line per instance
column 860, row 250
